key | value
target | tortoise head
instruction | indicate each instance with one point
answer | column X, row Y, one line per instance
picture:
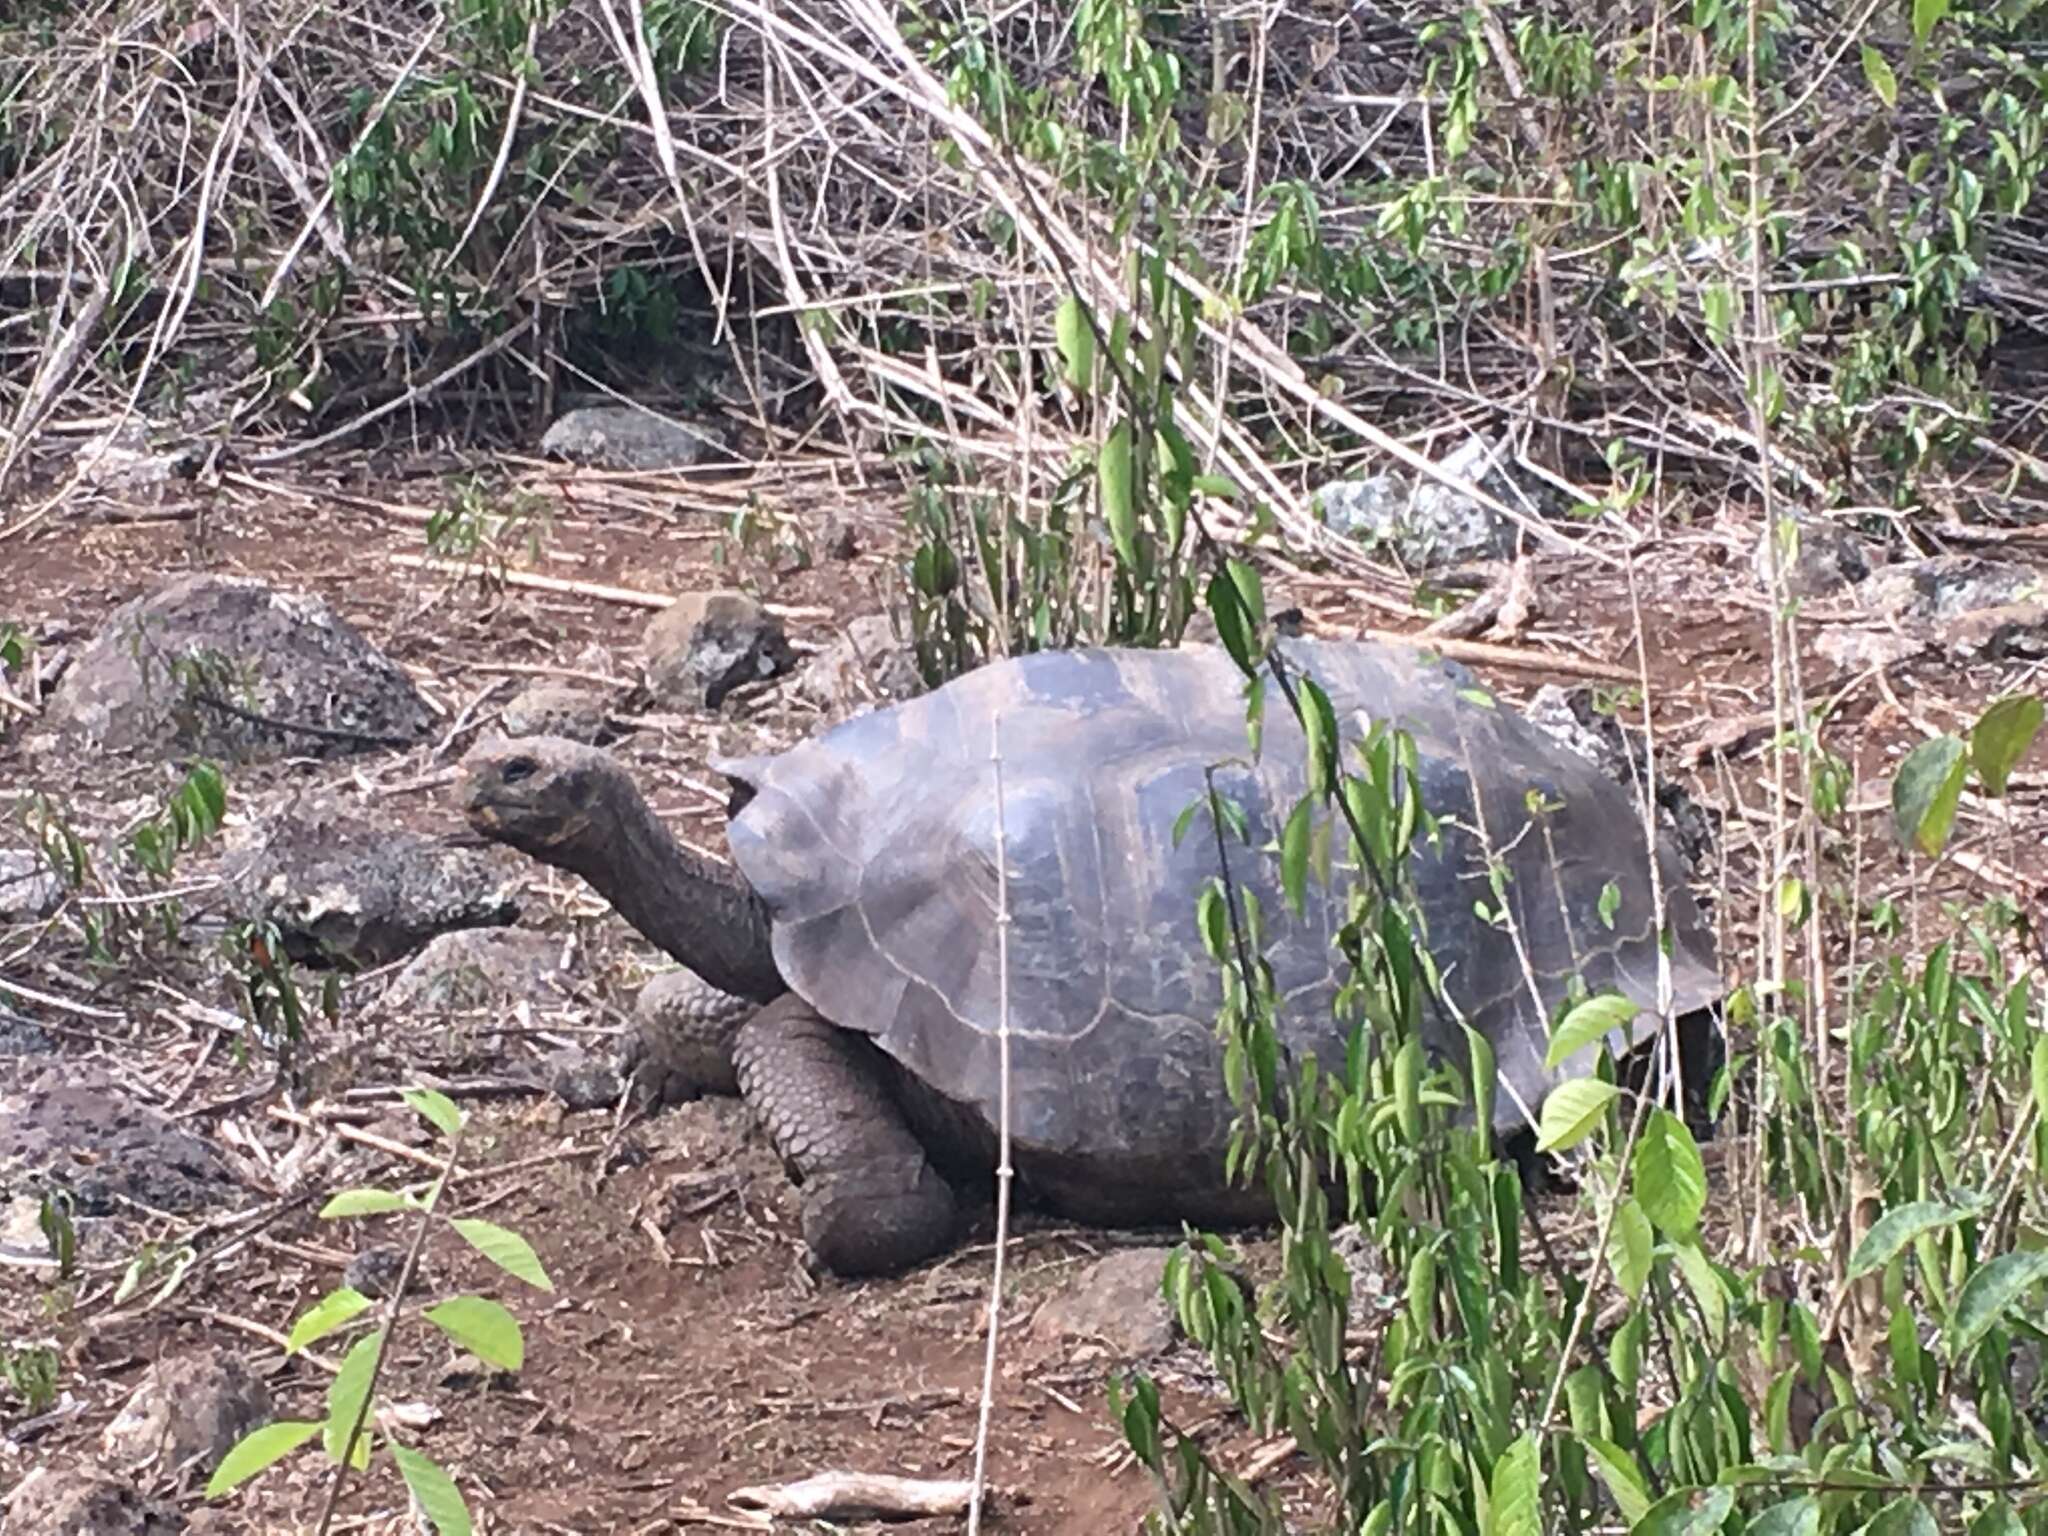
column 544, row 795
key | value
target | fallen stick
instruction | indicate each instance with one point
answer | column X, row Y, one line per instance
column 857, row 1496
column 1503, row 655
column 631, row 597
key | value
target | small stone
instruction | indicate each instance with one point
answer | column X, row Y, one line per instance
column 839, row 539
column 559, row 709
column 866, row 665
column 226, row 667
column 375, row 1271
column 580, row 1079
column 1115, row 1302
column 189, row 1408
column 630, row 438
column 29, row 888
column 1858, row 650
column 78, row 1501
column 705, row 644
column 349, row 888
column 1815, row 559
column 477, row 968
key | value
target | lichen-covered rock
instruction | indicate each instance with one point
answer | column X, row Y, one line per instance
column 77, row 1130
column 866, row 665
column 1116, row 1303
column 78, row 1501
column 1950, row 585
column 477, row 968
column 627, row 437
column 344, row 887
column 559, row 709
column 29, row 888
column 188, row 1408
column 705, row 644
column 1426, row 523
column 227, row 667
column 1816, row 559
column 580, row 1078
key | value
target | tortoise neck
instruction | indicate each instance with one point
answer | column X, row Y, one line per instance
column 700, row 911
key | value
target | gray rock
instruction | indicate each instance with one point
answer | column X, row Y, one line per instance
column 124, row 459
column 559, row 709
column 477, row 968
column 705, row 644
column 29, row 888
column 187, row 1409
column 865, row 666
column 580, row 1079
column 279, row 655
column 1815, row 558
column 349, row 889
column 1425, row 523
column 2007, row 632
column 374, row 1272
column 630, row 438
column 1116, row 1303
column 1950, row 585
column 77, row 1130
column 77, row 1501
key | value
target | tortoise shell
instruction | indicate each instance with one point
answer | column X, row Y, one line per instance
column 873, row 846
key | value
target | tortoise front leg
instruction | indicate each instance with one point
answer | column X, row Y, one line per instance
column 872, row 1202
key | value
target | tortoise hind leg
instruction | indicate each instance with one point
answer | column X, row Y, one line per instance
column 873, row 1204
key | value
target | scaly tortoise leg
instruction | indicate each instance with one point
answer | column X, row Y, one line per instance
column 873, row 1204
column 681, row 1041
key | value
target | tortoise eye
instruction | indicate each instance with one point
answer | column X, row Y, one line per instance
column 519, row 768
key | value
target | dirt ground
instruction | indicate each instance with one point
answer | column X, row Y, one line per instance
column 684, row 1352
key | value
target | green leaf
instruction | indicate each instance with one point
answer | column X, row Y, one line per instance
column 1670, row 1179
column 482, row 1327
column 1687, row 1512
column 1294, row 845
column 2001, row 738
column 1077, row 343
column 364, row 1202
column 1904, row 1516
column 506, row 1249
column 1571, row 1113
column 1706, row 1288
column 1989, row 1293
column 1514, row 1508
column 1119, row 510
column 1892, row 1232
column 1630, row 1246
column 1998, row 1520
column 330, row 1312
column 1794, row 1517
column 2039, row 1074
column 1926, row 792
column 346, row 1395
column 1717, row 308
column 437, row 1109
column 1624, row 1480
column 256, row 1450
column 1927, row 15
column 1592, row 1020
column 1881, row 79
column 434, row 1491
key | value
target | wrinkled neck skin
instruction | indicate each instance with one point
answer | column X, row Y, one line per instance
column 701, row 912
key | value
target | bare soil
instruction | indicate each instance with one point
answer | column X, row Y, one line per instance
column 684, row 1352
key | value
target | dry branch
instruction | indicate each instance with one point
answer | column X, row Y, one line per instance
column 857, row 1496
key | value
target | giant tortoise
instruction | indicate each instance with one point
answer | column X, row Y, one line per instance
column 861, row 920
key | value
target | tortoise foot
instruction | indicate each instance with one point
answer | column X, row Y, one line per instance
column 873, row 1204
column 681, row 1041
